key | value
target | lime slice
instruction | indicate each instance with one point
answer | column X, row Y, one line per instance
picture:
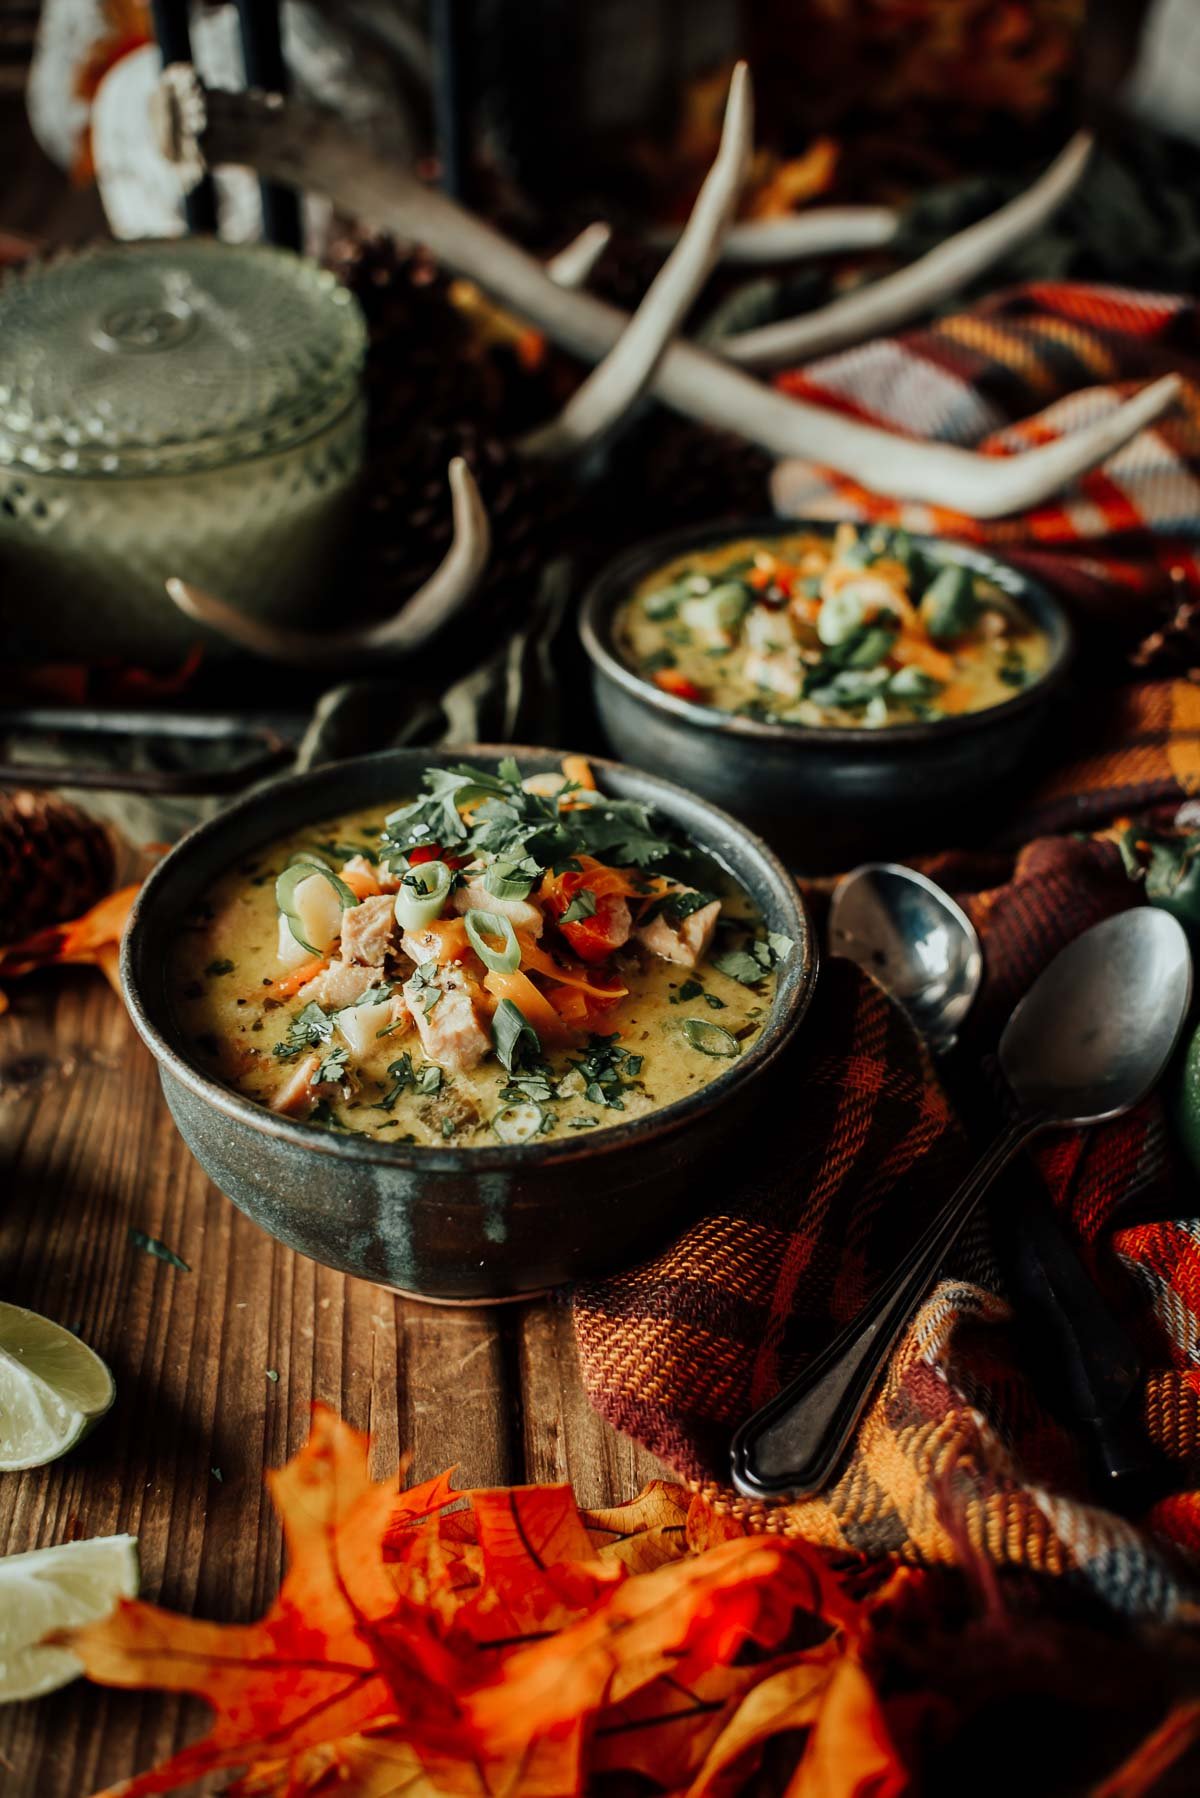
column 52, row 1389
column 57, row 1588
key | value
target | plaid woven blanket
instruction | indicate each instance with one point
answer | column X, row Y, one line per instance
column 959, row 1460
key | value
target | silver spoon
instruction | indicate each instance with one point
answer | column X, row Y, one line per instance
column 918, row 944
column 1089, row 1040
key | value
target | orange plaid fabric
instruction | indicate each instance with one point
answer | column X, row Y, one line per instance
column 957, row 1459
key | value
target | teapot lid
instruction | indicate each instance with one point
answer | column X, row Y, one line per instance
column 168, row 356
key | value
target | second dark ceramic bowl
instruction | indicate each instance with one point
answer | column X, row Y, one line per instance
column 454, row 1225
column 825, row 795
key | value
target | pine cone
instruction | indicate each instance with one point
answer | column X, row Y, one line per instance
column 55, row 862
column 437, row 389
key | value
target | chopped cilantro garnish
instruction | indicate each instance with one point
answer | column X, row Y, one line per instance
column 583, row 905
column 607, row 1071
column 309, row 1029
column 425, row 1080
column 221, row 966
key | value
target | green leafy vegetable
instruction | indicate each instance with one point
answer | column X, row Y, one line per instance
column 514, row 1038
column 583, row 905
column 152, row 1246
column 333, row 1068
column 710, row 1038
column 425, row 1080
column 309, row 1029
column 950, row 605
column 607, row 1071
column 222, row 966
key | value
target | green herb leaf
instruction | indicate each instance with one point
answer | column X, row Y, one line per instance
column 309, row 1029
column 333, row 1069
column 515, row 1040
column 739, row 965
column 583, row 905
column 607, row 1070
column 710, row 1038
column 152, row 1246
column 222, row 966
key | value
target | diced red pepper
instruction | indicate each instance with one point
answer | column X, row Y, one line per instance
column 671, row 681
column 594, row 939
column 432, row 852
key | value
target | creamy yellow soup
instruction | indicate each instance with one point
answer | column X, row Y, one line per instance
column 850, row 629
column 676, row 1029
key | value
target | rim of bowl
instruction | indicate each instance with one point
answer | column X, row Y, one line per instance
column 796, row 989
column 617, row 579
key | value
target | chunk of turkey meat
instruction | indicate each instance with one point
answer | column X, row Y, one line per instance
column 342, row 983
column 452, row 1031
column 474, row 896
column 368, row 930
column 688, row 941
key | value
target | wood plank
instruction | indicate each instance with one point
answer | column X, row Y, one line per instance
column 87, row 1152
column 563, row 1437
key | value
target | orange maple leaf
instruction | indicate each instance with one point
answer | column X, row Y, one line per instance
column 511, row 1645
column 94, row 937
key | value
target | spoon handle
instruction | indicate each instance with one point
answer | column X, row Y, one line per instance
column 794, row 1443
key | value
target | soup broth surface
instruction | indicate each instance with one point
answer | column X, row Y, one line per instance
column 302, row 1027
column 845, row 629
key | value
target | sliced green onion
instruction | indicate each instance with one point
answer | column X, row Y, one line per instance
column 293, row 875
column 519, row 1121
column 423, row 892
column 484, row 924
column 710, row 1039
column 511, row 879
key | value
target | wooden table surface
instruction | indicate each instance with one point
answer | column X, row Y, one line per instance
column 87, row 1153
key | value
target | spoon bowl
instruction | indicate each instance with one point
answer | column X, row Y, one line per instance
column 1095, row 1032
column 916, row 942
column 1089, row 1040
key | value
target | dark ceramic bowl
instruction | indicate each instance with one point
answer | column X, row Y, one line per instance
column 823, row 794
column 453, row 1225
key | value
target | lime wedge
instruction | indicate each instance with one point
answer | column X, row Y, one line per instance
column 52, row 1389
column 57, row 1588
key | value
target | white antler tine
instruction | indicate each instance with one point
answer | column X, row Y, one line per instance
column 994, row 486
column 576, row 260
column 452, row 583
column 424, row 612
column 617, row 381
column 894, row 299
column 791, row 236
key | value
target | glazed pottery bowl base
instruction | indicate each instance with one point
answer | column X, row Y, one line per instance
column 466, row 1225
column 469, row 1240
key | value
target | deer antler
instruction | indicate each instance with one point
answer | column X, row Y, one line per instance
column 425, row 612
column 614, row 384
column 894, row 299
column 307, row 147
column 793, row 235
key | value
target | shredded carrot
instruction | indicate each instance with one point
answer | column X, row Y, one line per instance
column 920, row 653
column 579, row 769
column 570, row 1004
column 536, row 958
column 362, row 884
column 559, row 888
column 451, row 936
column 534, row 1007
column 290, row 983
